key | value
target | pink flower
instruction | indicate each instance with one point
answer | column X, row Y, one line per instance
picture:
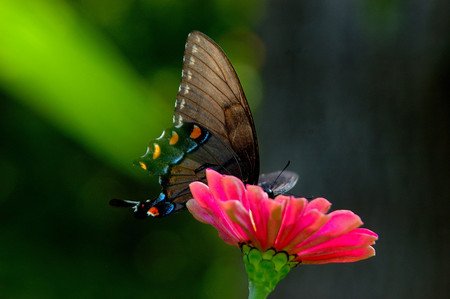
column 294, row 225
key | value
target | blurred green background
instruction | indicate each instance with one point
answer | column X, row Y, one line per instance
column 355, row 95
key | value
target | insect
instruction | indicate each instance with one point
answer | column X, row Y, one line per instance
column 212, row 128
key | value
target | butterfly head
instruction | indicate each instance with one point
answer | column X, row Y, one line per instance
column 143, row 209
column 270, row 192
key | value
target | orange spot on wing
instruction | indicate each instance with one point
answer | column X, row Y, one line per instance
column 157, row 151
column 174, row 138
column 143, row 165
column 196, row 132
column 153, row 211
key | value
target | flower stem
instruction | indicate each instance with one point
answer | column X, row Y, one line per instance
column 258, row 291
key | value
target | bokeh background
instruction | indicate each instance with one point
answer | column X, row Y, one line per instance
column 354, row 93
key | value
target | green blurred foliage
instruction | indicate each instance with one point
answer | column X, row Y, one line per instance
column 84, row 85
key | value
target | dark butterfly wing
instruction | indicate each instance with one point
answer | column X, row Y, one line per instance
column 276, row 183
column 213, row 128
column 211, row 95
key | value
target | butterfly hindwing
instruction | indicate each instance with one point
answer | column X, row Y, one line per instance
column 276, row 183
column 212, row 154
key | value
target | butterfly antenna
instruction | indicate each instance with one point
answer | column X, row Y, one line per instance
column 281, row 172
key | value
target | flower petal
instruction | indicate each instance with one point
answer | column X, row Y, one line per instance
column 357, row 238
column 306, row 226
column 265, row 214
column 320, row 204
column 202, row 215
column 218, row 218
column 201, row 193
column 215, row 184
column 241, row 218
column 340, row 222
column 352, row 255
column 234, row 188
column 271, row 210
column 293, row 209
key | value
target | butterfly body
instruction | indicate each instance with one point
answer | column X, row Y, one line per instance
column 212, row 128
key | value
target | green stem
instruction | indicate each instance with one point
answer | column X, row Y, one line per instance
column 258, row 291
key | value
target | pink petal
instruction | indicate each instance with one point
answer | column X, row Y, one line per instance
column 200, row 213
column 352, row 255
column 271, row 210
column 229, row 238
column 340, row 222
column 201, row 193
column 314, row 218
column 233, row 188
column 203, row 196
column 320, row 204
column 262, row 209
column 240, row 216
column 205, row 216
column 368, row 232
column 230, row 208
column 306, row 226
column 351, row 240
column 292, row 211
column 215, row 184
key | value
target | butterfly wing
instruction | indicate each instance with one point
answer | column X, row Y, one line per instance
column 211, row 95
column 276, row 183
column 213, row 128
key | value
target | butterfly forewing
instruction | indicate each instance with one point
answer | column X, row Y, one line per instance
column 278, row 182
column 211, row 95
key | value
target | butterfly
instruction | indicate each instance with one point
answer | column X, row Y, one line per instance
column 212, row 128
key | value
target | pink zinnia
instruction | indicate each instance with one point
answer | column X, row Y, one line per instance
column 276, row 235
column 246, row 215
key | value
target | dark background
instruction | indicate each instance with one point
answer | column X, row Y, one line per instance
column 354, row 94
